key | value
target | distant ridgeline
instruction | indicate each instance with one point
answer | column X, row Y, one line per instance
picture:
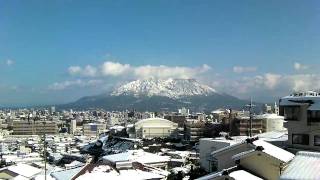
column 161, row 95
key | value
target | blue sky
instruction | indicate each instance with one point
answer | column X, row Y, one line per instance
column 57, row 51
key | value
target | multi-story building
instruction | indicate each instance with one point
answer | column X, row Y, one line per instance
column 260, row 124
column 301, row 112
column 194, row 129
column 25, row 127
column 93, row 129
column 73, row 126
column 179, row 119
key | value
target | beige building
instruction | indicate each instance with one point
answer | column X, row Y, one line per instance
column 194, row 129
column 93, row 129
column 73, row 126
column 34, row 127
column 260, row 124
column 154, row 127
column 261, row 160
column 266, row 160
column 301, row 112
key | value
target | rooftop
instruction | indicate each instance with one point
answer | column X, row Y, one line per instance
column 105, row 172
column 269, row 149
column 305, row 165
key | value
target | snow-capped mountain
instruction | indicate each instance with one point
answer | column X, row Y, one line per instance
column 157, row 95
column 172, row 88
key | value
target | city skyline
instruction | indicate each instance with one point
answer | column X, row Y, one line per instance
column 58, row 51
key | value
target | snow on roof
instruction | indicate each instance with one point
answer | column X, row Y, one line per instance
column 269, row 149
column 118, row 128
column 218, row 111
column 19, row 177
column 101, row 173
column 154, row 119
column 305, row 165
column 273, row 136
column 274, row 151
column 136, row 156
column 314, row 101
column 232, row 140
column 74, row 164
column 243, row 175
column 210, row 176
column 66, row 174
column 185, row 170
column 42, row 177
column 233, row 143
column 269, row 116
column 24, row 170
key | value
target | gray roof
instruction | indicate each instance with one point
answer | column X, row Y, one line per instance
column 118, row 157
column 66, row 174
column 305, row 165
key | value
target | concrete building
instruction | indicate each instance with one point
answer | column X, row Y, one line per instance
column 179, row 119
column 4, row 148
column 260, row 124
column 261, row 160
column 301, row 112
column 216, row 153
column 265, row 160
column 184, row 111
column 209, row 145
column 73, row 126
column 194, row 129
column 24, row 127
column 154, row 127
column 93, row 129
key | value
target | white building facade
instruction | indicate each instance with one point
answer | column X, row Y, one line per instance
column 301, row 112
column 154, row 127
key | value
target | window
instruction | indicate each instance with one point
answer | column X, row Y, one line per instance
column 302, row 139
column 316, row 140
column 214, row 165
column 291, row 113
column 313, row 116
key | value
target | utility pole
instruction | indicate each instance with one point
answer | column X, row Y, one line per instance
column 251, row 105
column 45, row 150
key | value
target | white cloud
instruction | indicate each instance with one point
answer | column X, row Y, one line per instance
column 298, row 66
column 74, row 70
column 271, row 80
column 241, row 69
column 303, row 82
column 266, row 85
column 74, row 83
column 88, row 71
column 116, row 69
column 9, row 62
column 164, row 72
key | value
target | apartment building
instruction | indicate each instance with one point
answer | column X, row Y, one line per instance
column 93, row 129
column 24, row 127
column 301, row 112
column 260, row 124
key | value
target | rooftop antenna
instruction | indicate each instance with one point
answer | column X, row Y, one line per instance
column 251, row 105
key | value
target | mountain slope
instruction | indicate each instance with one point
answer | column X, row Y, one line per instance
column 172, row 88
column 157, row 95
